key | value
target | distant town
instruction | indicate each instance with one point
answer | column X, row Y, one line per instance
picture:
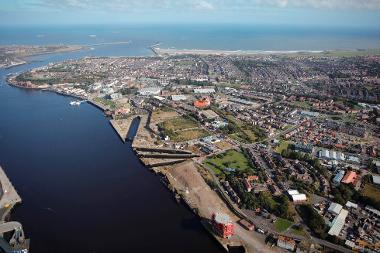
column 273, row 151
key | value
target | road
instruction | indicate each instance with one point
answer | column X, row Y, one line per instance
column 331, row 245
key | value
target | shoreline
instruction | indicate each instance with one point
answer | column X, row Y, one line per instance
column 24, row 59
column 173, row 51
column 162, row 176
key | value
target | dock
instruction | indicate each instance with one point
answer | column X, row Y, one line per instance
column 121, row 126
column 9, row 198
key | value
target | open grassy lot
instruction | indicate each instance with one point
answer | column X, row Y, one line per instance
column 178, row 123
column 297, row 230
column 282, row 146
column 106, row 102
column 229, row 159
column 241, row 131
column 181, row 129
column 187, row 135
column 372, row 191
column 281, row 224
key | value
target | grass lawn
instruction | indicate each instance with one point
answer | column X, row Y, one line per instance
column 106, row 102
column 189, row 135
column 282, row 146
column 229, row 159
column 372, row 192
column 178, row 123
column 298, row 231
column 281, row 224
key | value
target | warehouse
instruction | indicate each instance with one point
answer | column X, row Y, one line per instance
column 338, row 223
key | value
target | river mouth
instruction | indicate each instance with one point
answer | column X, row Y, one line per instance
column 83, row 189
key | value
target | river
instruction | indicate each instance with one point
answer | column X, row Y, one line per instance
column 84, row 190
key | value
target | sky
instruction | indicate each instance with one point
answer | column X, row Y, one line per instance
column 350, row 13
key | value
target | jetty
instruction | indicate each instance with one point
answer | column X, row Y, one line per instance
column 10, row 229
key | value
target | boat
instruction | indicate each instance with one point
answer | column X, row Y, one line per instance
column 75, row 103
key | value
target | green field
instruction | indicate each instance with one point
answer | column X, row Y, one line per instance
column 179, row 123
column 181, row 129
column 372, row 191
column 106, row 102
column 229, row 159
column 282, row 146
column 282, row 225
column 187, row 135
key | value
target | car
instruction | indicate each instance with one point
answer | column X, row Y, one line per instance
column 259, row 230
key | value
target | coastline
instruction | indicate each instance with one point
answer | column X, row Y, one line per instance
column 24, row 58
column 172, row 52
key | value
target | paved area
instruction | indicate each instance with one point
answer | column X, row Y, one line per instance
column 9, row 195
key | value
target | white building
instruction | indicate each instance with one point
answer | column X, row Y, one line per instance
column 338, row 223
column 204, row 90
column 335, row 208
column 296, row 196
column 331, row 155
column 178, row 97
column 149, row 91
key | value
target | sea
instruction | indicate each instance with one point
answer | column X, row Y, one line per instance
column 82, row 188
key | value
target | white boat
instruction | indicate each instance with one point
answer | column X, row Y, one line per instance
column 75, row 103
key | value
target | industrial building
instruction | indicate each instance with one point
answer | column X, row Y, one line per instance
column 179, row 97
column 204, row 90
column 222, row 225
column 296, row 196
column 338, row 223
column 148, row 91
column 335, row 208
column 350, row 177
column 338, row 177
column 202, row 103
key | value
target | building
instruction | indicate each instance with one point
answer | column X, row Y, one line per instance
column 309, row 114
column 331, row 155
column 149, row 91
column 306, row 148
column 286, row 243
column 335, row 208
column 222, row 225
column 338, row 223
column 350, row 204
column 202, row 103
column 338, row 177
column 204, row 90
column 296, row 196
column 178, row 97
column 209, row 114
column 350, row 177
column 376, row 179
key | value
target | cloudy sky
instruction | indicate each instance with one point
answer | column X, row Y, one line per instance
column 363, row 13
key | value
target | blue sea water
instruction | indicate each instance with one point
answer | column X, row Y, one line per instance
column 229, row 37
